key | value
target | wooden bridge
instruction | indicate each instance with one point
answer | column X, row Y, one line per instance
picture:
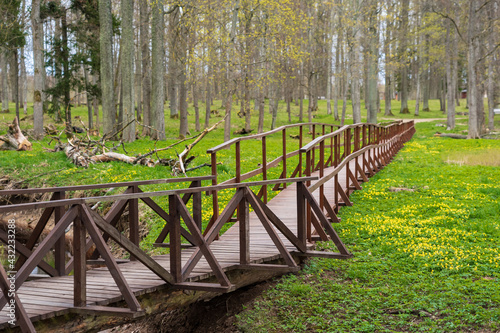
column 273, row 237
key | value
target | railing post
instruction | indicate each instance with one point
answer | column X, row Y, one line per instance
column 283, row 139
column 79, row 263
column 175, row 239
column 215, row 199
column 244, row 225
column 60, row 246
column 336, row 150
column 301, row 213
column 331, row 148
column 347, row 152
column 308, row 183
column 313, row 156
column 264, row 168
column 300, row 154
column 364, row 135
column 238, row 161
column 133, row 219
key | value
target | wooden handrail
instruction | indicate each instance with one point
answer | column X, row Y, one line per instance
column 258, row 136
column 317, row 140
column 106, row 185
column 128, row 196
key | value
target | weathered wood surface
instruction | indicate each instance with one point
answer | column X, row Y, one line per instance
column 49, row 297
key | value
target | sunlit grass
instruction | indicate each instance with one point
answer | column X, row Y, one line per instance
column 486, row 157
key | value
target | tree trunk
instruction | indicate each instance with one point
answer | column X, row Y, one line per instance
column 196, row 106
column 337, row 79
column 15, row 84
column 492, row 84
column 183, row 113
column 208, row 97
column 473, row 90
column 127, row 44
column 402, row 54
column 355, row 76
column 372, row 60
column 388, row 69
column 87, row 94
column 36, row 25
column 146, row 65
column 450, row 94
column 5, row 84
column 138, row 77
column 174, row 63
column 301, row 93
column 345, row 80
column 106, row 56
column 95, row 103
column 158, row 98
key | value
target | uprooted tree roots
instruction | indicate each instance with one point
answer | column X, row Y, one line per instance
column 83, row 150
column 14, row 139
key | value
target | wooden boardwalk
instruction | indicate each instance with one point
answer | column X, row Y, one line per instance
column 49, row 297
column 282, row 229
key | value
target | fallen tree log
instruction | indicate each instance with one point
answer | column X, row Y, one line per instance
column 83, row 151
column 460, row 136
column 14, row 139
column 451, row 135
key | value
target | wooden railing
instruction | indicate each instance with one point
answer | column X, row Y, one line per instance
column 328, row 150
column 78, row 211
column 366, row 147
column 266, row 165
column 369, row 147
column 58, row 194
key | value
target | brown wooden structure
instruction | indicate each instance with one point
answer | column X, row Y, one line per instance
column 329, row 168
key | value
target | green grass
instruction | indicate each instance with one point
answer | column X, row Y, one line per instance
column 39, row 168
column 427, row 260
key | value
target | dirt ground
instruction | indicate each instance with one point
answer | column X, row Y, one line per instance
column 215, row 315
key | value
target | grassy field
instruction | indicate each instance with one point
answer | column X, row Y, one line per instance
column 424, row 260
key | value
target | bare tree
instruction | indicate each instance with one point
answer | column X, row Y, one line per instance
column 127, row 11
column 158, row 55
column 106, row 53
column 37, row 26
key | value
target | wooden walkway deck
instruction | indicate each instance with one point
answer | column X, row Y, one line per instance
column 49, row 297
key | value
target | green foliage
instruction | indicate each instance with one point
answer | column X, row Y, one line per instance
column 11, row 25
column 424, row 261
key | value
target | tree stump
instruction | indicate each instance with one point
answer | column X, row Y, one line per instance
column 14, row 139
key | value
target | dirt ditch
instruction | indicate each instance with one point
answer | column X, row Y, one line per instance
column 217, row 315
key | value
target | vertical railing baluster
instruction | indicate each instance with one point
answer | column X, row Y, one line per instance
column 215, row 198
column 238, row 162
column 283, row 139
column 175, row 239
column 60, row 246
column 133, row 219
column 313, row 156
column 264, row 168
column 331, row 148
column 308, row 183
column 79, row 263
column 244, row 225
column 301, row 213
